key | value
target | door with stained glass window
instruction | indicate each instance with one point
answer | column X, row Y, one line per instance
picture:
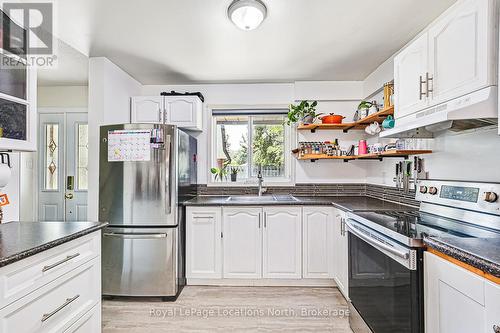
column 63, row 160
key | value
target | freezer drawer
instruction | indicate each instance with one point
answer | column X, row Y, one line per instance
column 139, row 262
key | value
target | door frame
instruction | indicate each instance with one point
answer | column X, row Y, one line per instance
column 37, row 159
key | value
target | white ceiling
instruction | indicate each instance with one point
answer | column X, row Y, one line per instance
column 192, row 41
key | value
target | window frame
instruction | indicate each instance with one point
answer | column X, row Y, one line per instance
column 289, row 135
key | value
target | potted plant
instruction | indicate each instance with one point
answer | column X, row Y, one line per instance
column 363, row 108
column 304, row 112
column 234, row 173
column 219, row 173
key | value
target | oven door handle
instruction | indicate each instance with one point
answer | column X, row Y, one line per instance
column 376, row 243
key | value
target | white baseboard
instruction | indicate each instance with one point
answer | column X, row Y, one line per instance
column 263, row 282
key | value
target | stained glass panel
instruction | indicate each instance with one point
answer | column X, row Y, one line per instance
column 51, row 156
column 83, row 153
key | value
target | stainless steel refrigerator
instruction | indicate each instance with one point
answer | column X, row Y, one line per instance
column 145, row 172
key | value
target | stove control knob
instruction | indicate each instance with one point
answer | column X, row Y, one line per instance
column 423, row 189
column 490, row 197
column 433, row 190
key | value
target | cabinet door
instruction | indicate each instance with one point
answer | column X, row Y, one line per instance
column 341, row 252
column 184, row 111
column 203, row 243
column 147, row 109
column 88, row 323
column 242, row 242
column 319, row 251
column 409, row 65
column 460, row 50
column 282, row 245
column 492, row 302
column 454, row 298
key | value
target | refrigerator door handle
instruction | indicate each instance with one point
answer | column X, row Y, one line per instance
column 134, row 235
column 168, row 160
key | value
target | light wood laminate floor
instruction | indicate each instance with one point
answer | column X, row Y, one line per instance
column 232, row 309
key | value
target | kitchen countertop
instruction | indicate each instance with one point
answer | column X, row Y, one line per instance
column 19, row 240
column 346, row 203
column 481, row 253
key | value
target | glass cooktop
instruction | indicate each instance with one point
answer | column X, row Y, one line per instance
column 413, row 226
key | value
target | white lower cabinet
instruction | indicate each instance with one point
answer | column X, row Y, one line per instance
column 204, row 242
column 282, row 239
column 242, row 242
column 341, row 250
column 318, row 242
column 291, row 245
column 56, row 302
column 457, row 300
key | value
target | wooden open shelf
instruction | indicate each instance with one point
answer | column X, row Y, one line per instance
column 379, row 156
column 357, row 125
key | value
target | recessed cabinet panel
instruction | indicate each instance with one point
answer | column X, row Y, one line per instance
column 242, row 242
column 282, row 242
column 458, row 51
column 410, row 67
column 147, row 109
column 203, row 243
column 318, row 242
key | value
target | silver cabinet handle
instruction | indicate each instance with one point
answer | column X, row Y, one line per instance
column 342, row 227
column 202, row 217
column 60, row 262
column 421, row 90
column 265, row 220
column 496, row 329
column 259, row 219
column 428, row 79
column 134, row 236
column 160, row 114
column 59, row 308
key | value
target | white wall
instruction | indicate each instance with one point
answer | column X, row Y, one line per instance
column 63, row 96
column 110, row 89
column 334, row 97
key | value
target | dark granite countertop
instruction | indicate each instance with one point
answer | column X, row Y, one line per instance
column 346, row 203
column 482, row 253
column 19, row 240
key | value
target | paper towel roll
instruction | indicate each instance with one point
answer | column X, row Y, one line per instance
column 5, row 174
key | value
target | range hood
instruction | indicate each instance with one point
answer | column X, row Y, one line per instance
column 474, row 110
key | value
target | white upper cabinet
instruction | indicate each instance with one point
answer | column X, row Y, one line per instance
column 242, row 242
column 203, row 242
column 147, row 109
column 461, row 50
column 183, row 111
column 453, row 57
column 318, row 227
column 282, row 242
column 410, row 68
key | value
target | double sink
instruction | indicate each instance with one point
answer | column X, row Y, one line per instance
column 264, row 198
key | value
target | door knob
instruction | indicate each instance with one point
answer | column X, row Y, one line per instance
column 68, row 196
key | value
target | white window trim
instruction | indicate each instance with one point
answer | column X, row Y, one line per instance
column 290, row 139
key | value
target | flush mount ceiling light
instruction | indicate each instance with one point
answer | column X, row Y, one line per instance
column 247, row 14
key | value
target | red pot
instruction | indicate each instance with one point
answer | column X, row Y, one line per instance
column 332, row 119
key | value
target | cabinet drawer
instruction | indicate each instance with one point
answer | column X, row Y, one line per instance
column 20, row 278
column 56, row 306
column 88, row 323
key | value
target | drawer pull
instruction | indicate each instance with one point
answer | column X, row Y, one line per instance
column 62, row 306
column 68, row 258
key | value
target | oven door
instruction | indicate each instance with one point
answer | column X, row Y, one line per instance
column 385, row 283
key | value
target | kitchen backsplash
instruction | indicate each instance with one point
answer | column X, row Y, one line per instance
column 376, row 191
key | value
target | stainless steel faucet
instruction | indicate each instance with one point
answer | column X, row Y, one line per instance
column 261, row 180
